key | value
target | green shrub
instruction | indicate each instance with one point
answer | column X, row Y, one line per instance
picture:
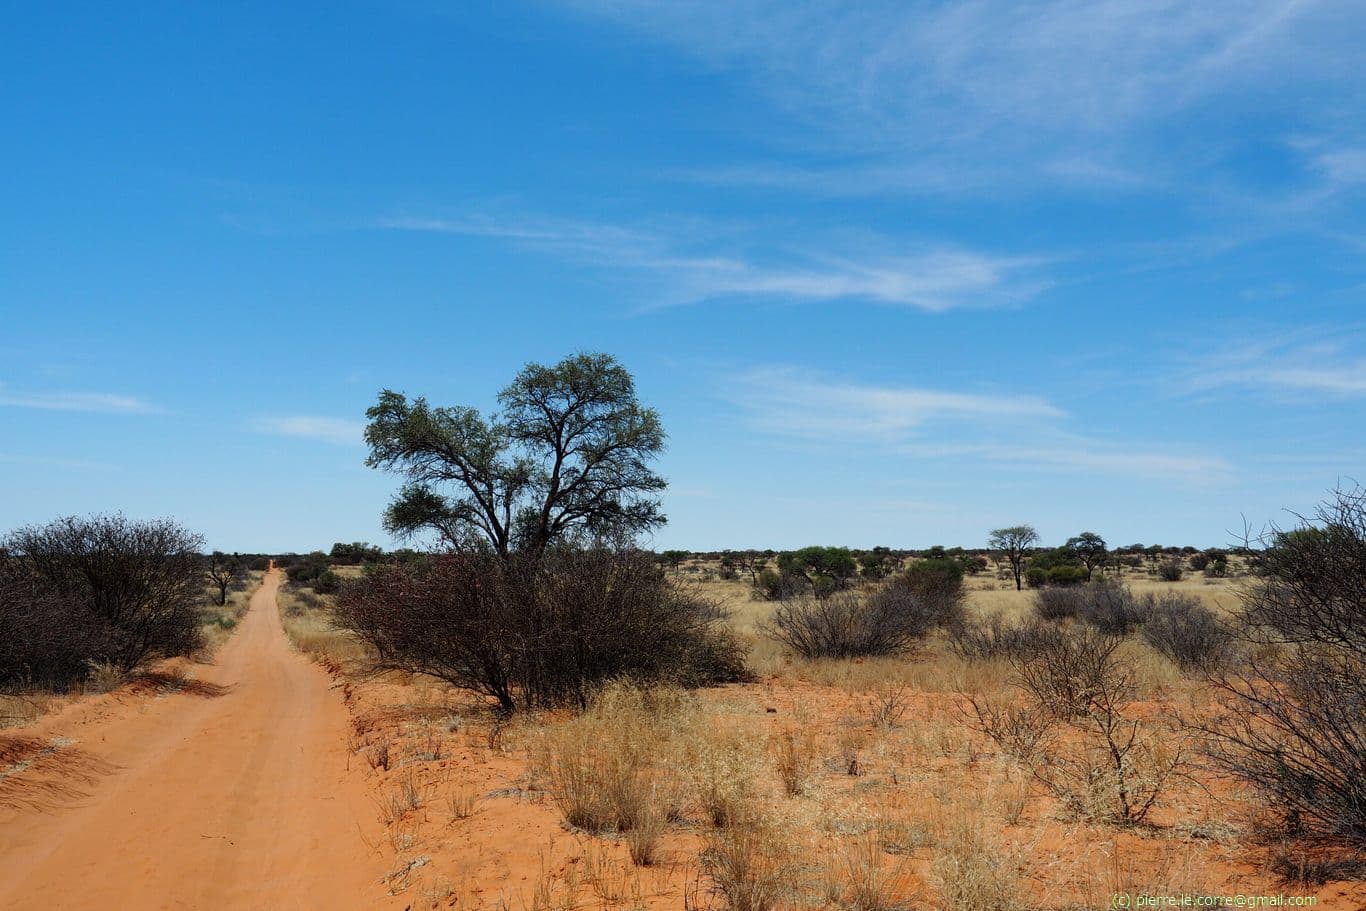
column 1066, row 575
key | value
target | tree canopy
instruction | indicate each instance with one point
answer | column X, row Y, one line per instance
column 566, row 454
column 1014, row 543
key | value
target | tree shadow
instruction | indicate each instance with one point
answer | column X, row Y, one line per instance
column 167, row 682
column 43, row 775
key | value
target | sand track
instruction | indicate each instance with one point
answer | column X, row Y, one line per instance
column 231, row 793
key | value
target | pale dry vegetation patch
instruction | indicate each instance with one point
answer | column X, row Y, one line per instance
column 307, row 620
column 609, row 770
column 220, row 620
column 971, row 869
column 858, row 783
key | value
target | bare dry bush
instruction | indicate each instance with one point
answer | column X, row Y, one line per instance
column 1293, row 718
column 888, row 705
column 1023, row 732
column 1112, row 608
column 849, row 625
column 537, row 633
column 1189, row 634
column 997, row 638
column 98, row 589
column 1058, row 602
column 1067, row 668
column 1113, row 767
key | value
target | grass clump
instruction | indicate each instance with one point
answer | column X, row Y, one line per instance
column 608, row 768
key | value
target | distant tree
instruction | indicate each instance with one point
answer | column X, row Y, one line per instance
column 973, row 564
column 566, row 454
column 752, row 562
column 1090, row 550
column 878, row 563
column 355, row 553
column 1013, row 544
column 824, row 568
column 675, row 558
column 315, row 571
column 224, row 570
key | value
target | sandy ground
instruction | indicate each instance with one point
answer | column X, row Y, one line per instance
column 233, row 790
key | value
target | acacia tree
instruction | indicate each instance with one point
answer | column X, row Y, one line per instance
column 1090, row 550
column 824, row 568
column 1013, row 544
column 752, row 562
column 223, row 571
column 567, row 453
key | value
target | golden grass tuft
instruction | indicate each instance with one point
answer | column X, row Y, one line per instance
column 971, row 869
column 795, row 754
column 752, row 865
column 607, row 768
column 862, row 876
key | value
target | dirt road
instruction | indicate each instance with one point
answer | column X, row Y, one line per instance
column 230, row 793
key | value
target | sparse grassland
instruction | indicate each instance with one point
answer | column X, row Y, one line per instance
column 306, row 617
column 221, row 619
column 858, row 783
column 866, row 783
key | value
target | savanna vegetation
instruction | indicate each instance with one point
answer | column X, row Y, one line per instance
column 1011, row 725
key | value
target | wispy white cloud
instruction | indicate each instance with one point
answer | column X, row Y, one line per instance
column 329, row 430
column 96, row 402
column 54, row 462
column 791, row 401
column 693, row 264
column 957, row 93
column 1089, row 455
column 1301, row 364
column 1020, row 430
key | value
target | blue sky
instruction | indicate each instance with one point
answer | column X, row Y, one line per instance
column 893, row 273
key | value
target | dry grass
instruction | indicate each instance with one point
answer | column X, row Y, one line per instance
column 24, row 706
column 103, row 677
column 971, row 869
column 608, row 768
column 752, row 865
column 723, row 762
column 462, row 802
column 862, row 876
column 403, row 797
column 305, row 617
column 795, row 755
